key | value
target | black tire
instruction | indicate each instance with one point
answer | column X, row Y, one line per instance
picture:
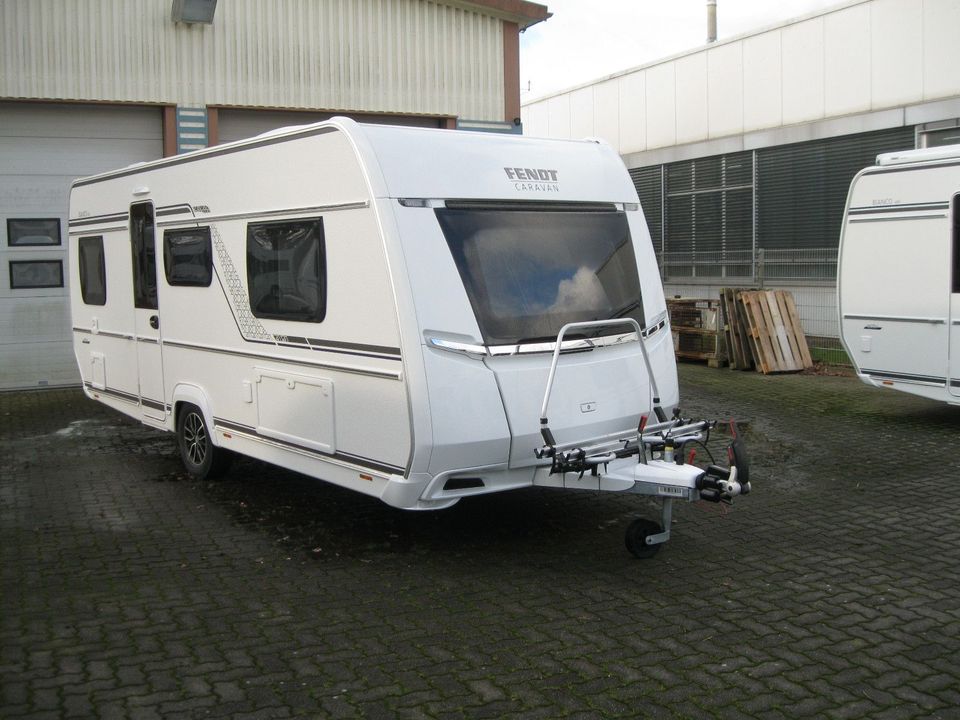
column 200, row 456
column 636, row 538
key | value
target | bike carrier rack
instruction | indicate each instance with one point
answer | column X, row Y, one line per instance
column 649, row 461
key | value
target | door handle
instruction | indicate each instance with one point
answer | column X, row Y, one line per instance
column 155, row 322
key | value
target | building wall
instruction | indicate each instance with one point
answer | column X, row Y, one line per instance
column 381, row 56
column 862, row 58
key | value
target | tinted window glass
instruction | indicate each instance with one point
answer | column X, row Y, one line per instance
column 26, row 274
column 33, row 232
column 187, row 257
column 528, row 273
column 93, row 274
column 144, row 256
column 286, row 270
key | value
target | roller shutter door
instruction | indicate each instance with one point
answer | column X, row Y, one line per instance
column 43, row 147
column 236, row 124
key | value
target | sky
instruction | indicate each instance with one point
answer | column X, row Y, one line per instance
column 589, row 39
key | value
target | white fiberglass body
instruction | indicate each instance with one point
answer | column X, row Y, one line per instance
column 373, row 306
column 899, row 273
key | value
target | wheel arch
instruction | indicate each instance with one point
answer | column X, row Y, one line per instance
column 185, row 393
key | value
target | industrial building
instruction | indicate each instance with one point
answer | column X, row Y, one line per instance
column 87, row 87
column 742, row 150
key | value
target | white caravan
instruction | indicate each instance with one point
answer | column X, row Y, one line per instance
column 419, row 315
column 898, row 282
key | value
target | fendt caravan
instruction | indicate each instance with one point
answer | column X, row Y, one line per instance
column 419, row 315
column 898, row 281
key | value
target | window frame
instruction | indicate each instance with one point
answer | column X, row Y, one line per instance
column 11, row 244
column 320, row 312
column 169, row 266
column 84, row 294
column 58, row 263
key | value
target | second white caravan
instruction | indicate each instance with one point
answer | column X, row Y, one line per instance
column 898, row 278
column 416, row 315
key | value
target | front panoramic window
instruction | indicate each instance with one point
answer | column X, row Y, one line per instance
column 286, row 270
column 529, row 272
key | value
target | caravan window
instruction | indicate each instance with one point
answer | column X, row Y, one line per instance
column 144, row 256
column 93, row 271
column 286, row 270
column 528, row 272
column 187, row 257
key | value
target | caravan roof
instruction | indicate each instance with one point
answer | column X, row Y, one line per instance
column 405, row 162
column 904, row 157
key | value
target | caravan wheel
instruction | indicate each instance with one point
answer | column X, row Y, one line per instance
column 200, row 456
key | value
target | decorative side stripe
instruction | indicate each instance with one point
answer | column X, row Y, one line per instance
column 388, row 374
column 897, row 218
column 127, row 397
column 906, row 377
column 901, row 207
column 105, row 333
column 98, row 219
column 349, row 458
column 174, row 210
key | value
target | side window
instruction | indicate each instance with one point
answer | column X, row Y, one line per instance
column 93, row 271
column 187, row 257
column 286, row 270
column 144, row 256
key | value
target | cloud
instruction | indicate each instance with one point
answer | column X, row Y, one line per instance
column 584, row 41
column 581, row 292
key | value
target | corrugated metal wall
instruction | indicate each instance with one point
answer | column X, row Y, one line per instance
column 390, row 56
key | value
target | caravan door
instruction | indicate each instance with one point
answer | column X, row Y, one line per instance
column 954, row 363
column 146, row 311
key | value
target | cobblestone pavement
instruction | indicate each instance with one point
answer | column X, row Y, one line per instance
column 129, row 590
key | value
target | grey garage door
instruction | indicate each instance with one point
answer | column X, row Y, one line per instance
column 43, row 147
column 236, row 124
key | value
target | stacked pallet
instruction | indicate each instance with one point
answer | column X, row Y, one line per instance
column 695, row 325
column 762, row 330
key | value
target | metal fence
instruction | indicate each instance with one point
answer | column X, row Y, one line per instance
column 810, row 274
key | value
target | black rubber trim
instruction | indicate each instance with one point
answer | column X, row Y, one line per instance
column 342, row 456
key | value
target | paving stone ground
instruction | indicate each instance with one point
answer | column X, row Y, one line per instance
column 832, row 591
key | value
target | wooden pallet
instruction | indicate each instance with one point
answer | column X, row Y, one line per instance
column 735, row 334
column 694, row 323
column 774, row 333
